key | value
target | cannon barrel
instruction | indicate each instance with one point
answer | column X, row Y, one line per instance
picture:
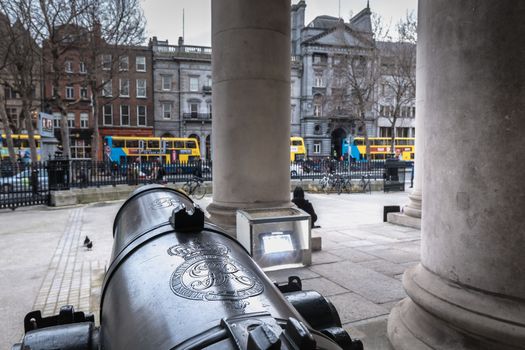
column 177, row 282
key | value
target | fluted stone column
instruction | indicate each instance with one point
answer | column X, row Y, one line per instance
column 251, row 106
column 469, row 290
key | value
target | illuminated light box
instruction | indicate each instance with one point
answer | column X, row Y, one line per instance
column 276, row 238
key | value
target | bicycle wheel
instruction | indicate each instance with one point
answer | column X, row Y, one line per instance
column 186, row 188
column 339, row 186
column 199, row 192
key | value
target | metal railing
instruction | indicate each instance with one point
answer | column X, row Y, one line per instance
column 197, row 116
column 24, row 184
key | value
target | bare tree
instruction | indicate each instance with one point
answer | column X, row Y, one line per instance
column 4, row 54
column 111, row 26
column 56, row 23
column 354, row 79
column 398, row 64
column 22, row 69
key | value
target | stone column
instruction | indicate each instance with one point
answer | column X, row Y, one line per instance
column 412, row 211
column 251, row 106
column 469, row 290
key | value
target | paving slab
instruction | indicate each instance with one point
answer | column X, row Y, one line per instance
column 384, row 267
column 372, row 285
column 353, row 307
column 323, row 257
column 322, row 285
column 395, row 255
column 352, row 254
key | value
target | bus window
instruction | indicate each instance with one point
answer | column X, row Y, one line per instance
column 169, row 144
column 132, row 143
column 297, row 143
column 359, row 142
column 118, row 143
column 153, row 144
column 191, row 144
column 179, row 144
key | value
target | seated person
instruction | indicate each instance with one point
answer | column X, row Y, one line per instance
column 304, row 204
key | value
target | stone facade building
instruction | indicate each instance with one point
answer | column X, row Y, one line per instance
column 319, row 50
column 183, row 92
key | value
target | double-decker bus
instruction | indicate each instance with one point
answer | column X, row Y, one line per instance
column 21, row 145
column 381, row 148
column 297, row 149
column 167, row 150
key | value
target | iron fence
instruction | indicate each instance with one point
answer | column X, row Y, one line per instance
column 315, row 169
column 23, row 184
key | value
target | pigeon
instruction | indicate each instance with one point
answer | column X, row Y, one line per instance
column 89, row 245
column 86, row 241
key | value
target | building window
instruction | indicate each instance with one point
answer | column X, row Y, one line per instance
column 68, row 66
column 79, row 149
column 84, row 120
column 318, row 111
column 124, row 87
column 123, row 63
column 108, row 114
column 56, row 120
column 385, row 132
column 71, row 120
column 402, row 132
column 141, row 115
column 9, row 93
column 141, row 64
column 106, row 62
column 141, row 87
column 107, row 90
column 317, row 147
column 12, row 114
column 209, row 109
column 318, row 82
column 84, row 93
column 166, row 82
column 124, row 115
column 194, row 109
column 194, row 84
column 166, row 110
column 70, row 92
column 83, row 69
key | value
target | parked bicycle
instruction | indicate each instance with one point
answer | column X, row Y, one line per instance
column 194, row 187
column 327, row 182
column 343, row 184
column 365, row 184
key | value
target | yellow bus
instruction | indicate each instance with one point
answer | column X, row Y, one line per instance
column 21, row 143
column 126, row 149
column 381, row 148
column 297, row 149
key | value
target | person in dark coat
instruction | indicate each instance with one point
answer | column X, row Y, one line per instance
column 304, row 204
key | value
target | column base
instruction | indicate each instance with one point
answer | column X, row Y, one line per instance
column 442, row 314
column 413, row 208
column 404, row 220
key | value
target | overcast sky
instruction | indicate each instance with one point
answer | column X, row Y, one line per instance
column 164, row 17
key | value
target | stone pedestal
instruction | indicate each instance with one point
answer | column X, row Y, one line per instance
column 469, row 290
column 251, row 106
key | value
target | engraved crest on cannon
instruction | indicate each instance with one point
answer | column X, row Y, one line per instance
column 209, row 273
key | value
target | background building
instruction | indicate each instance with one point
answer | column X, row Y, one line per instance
column 183, row 92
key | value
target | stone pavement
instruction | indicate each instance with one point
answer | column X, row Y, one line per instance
column 44, row 265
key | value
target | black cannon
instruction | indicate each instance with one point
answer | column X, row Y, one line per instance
column 176, row 282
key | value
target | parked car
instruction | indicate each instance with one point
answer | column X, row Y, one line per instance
column 22, row 181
